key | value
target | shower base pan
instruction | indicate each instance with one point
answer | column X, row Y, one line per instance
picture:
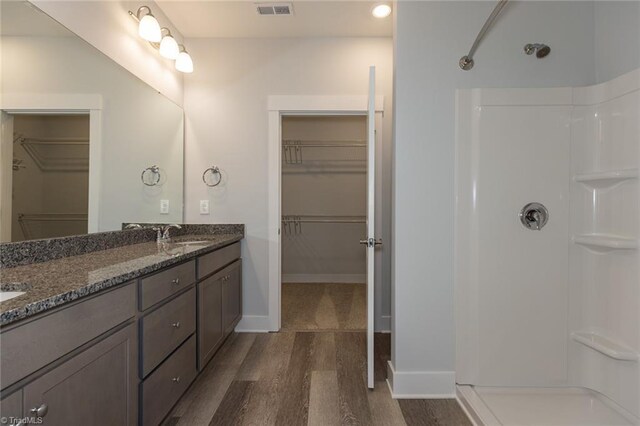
column 541, row 407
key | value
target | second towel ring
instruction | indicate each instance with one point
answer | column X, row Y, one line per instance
column 215, row 170
column 156, row 171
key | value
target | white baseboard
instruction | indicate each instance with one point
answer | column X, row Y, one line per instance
column 254, row 324
column 262, row 324
column 325, row 278
column 421, row 384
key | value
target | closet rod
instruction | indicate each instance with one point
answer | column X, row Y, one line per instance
column 329, row 144
column 324, row 219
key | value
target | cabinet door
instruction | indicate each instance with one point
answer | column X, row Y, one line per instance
column 96, row 387
column 232, row 296
column 11, row 408
column 210, row 329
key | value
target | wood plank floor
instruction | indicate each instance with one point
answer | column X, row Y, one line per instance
column 303, row 378
column 324, row 306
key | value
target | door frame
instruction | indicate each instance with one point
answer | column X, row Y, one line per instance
column 69, row 103
column 278, row 107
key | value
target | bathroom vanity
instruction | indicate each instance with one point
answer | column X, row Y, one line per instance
column 119, row 334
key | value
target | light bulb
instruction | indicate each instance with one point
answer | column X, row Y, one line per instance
column 184, row 62
column 381, row 11
column 149, row 29
column 169, row 47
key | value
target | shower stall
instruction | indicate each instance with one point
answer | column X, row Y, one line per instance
column 546, row 257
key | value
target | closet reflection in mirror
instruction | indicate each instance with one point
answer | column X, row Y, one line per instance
column 77, row 132
column 50, row 176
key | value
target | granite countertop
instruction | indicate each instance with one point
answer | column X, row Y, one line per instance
column 56, row 282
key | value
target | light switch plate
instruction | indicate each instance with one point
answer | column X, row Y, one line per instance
column 164, row 206
column 204, row 206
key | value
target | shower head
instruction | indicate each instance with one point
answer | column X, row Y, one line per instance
column 541, row 50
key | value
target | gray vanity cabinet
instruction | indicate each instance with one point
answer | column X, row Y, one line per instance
column 164, row 329
column 232, row 296
column 211, row 331
column 124, row 356
column 164, row 387
column 11, row 407
column 96, row 387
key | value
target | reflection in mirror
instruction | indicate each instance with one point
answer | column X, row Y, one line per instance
column 50, row 176
column 78, row 131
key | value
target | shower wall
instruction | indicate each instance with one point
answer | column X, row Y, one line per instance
column 604, row 273
column 512, row 281
column 559, row 306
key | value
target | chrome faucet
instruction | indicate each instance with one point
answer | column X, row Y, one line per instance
column 163, row 235
column 133, row 226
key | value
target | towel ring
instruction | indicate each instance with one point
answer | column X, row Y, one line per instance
column 153, row 169
column 215, row 170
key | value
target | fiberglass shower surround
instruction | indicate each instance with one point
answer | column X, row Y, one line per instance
column 557, row 307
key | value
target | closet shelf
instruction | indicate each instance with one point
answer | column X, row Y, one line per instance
column 606, row 242
column 606, row 179
column 604, row 345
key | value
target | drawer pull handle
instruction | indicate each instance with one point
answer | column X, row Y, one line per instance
column 176, row 281
column 176, row 324
column 40, row 411
column 176, row 379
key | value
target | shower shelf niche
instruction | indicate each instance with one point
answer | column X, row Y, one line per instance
column 607, row 179
column 606, row 242
column 604, row 345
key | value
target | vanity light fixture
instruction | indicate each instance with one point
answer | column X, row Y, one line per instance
column 162, row 39
column 381, row 10
column 183, row 61
column 148, row 26
column 168, row 46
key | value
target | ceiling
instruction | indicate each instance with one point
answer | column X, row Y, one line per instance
column 310, row 19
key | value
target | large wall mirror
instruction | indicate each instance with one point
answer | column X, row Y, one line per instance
column 85, row 145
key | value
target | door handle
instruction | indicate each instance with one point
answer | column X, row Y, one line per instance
column 371, row 242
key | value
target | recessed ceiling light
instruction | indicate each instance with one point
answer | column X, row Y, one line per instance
column 381, row 11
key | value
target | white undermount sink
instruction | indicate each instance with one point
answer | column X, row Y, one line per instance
column 192, row 243
column 7, row 295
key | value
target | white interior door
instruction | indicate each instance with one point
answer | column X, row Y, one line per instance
column 371, row 240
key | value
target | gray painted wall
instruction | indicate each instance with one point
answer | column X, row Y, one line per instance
column 617, row 38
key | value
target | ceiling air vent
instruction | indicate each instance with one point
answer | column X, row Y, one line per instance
column 274, row 9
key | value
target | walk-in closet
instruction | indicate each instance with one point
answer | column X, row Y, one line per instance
column 50, row 176
column 324, row 173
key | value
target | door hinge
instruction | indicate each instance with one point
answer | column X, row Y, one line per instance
column 371, row 242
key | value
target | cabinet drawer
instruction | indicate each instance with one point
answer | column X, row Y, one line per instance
column 161, row 390
column 210, row 263
column 161, row 285
column 165, row 328
column 31, row 346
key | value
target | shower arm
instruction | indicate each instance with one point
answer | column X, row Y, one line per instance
column 466, row 62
